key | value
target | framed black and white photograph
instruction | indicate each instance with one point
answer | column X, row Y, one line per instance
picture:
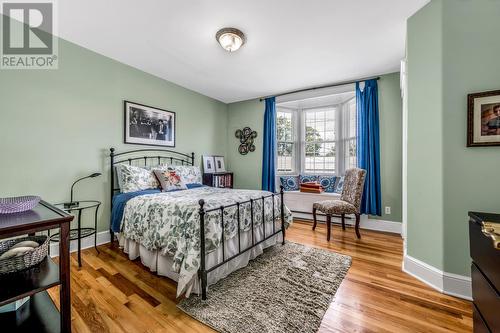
column 147, row 125
column 483, row 119
column 208, row 164
column 219, row 164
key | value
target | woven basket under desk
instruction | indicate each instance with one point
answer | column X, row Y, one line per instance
column 30, row 259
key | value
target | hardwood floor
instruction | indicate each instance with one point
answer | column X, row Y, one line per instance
column 113, row 294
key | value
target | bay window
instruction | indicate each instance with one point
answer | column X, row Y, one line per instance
column 317, row 140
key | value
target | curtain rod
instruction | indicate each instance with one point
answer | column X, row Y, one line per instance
column 320, row 87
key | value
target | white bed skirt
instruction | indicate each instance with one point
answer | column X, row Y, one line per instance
column 162, row 264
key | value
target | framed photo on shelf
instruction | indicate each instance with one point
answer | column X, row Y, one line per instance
column 147, row 125
column 483, row 119
column 219, row 164
column 208, row 164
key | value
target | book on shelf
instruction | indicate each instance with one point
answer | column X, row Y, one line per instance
column 222, row 181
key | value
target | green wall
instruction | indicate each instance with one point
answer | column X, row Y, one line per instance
column 464, row 60
column 251, row 113
column 57, row 125
column 391, row 131
column 247, row 168
column 425, row 152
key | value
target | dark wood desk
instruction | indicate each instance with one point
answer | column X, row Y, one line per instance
column 40, row 315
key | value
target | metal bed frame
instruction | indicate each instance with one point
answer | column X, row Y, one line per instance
column 160, row 156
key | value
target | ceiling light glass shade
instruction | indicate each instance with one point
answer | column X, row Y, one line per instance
column 230, row 39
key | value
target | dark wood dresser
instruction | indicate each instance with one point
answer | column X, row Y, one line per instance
column 484, row 236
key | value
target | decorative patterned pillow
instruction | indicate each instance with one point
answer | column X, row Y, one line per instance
column 189, row 174
column 156, row 167
column 170, row 180
column 340, row 185
column 290, row 183
column 328, row 183
column 133, row 178
column 308, row 178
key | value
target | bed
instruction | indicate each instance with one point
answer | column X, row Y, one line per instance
column 195, row 236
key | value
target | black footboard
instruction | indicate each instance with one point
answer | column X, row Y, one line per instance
column 203, row 272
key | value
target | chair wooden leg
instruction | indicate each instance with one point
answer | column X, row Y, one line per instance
column 328, row 226
column 342, row 217
column 314, row 218
column 357, row 226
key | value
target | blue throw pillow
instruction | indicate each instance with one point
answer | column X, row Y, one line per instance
column 308, row 178
column 340, row 185
column 328, row 183
column 290, row 183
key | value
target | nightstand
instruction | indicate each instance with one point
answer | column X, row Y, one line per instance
column 79, row 233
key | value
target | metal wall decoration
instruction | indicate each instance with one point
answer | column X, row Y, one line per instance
column 246, row 136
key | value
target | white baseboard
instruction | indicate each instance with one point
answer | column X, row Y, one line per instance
column 365, row 223
column 87, row 242
column 447, row 283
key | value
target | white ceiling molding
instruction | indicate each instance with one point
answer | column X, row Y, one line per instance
column 290, row 44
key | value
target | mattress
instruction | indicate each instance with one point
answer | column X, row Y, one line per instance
column 166, row 226
column 163, row 264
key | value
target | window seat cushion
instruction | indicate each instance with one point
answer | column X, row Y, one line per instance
column 298, row 201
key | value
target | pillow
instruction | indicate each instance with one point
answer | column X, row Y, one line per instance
column 156, row 167
column 328, row 183
column 170, row 180
column 133, row 178
column 290, row 183
column 340, row 185
column 308, row 178
column 189, row 174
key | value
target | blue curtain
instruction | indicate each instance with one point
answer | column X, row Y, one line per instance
column 269, row 157
column 368, row 146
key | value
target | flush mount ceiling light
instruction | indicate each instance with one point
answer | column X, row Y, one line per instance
column 231, row 39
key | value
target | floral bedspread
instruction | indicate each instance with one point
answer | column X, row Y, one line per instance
column 170, row 222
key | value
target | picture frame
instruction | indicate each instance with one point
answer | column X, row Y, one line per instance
column 219, row 164
column 483, row 119
column 147, row 125
column 208, row 164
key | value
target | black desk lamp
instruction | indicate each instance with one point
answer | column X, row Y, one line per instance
column 76, row 203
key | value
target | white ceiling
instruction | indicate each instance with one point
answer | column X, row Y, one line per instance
column 291, row 44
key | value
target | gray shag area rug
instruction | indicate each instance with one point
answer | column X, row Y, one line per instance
column 287, row 289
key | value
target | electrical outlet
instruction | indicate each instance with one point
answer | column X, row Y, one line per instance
column 388, row 210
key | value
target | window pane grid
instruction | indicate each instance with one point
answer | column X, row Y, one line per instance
column 320, row 141
column 286, row 142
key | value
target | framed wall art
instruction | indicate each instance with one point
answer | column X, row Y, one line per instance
column 208, row 164
column 147, row 125
column 219, row 164
column 483, row 119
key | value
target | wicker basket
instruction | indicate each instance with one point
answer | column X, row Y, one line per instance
column 30, row 259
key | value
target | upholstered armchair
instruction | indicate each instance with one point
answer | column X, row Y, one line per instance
column 349, row 203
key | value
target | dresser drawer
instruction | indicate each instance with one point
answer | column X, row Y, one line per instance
column 479, row 325
column 484, row 255
column 486, row 299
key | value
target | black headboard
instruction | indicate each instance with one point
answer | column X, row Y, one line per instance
column 144, row 157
